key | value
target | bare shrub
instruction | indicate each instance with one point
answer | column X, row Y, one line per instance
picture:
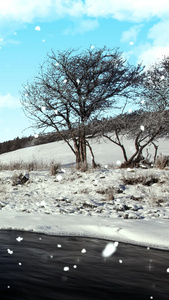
column 83, row 167
column 140, row 179
column 54, row 168
column 162, row 161
column 109, row 192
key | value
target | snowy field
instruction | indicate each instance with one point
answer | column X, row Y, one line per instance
column 99, row 203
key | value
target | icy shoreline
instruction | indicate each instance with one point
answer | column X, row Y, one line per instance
column 149, row 233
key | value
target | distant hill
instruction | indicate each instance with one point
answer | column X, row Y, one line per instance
column 19, row 143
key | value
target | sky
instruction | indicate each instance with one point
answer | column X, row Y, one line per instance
column 29, row 29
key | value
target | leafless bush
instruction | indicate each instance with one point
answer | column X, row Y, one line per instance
column 140, row 179
column 54, row 168
column 109, row 192
column 83, row 167
column 162, row 161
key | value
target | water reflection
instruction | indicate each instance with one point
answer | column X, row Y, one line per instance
column 53, row 267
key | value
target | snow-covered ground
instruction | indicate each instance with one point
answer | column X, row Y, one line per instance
column 98, row 203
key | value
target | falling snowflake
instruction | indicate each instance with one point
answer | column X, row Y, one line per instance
column 1, row 40
column 65, row 80
column 129, row 110
column 83, row 250
column 92, row 47
column 10, row 251
column 20, row 264
column 142, row 128
column 75, row 266
column 106, row 166
column 56, row 112
column 118, row 163
column 8, row 287
column 51, row 256
column 78, row 81
column 120, row 261
column 109, row 249
column 66, row 269
column 43, row 108
column 131, row 43
column 142, row 101
column 162, row 77
column 36, row 136
column 59, row 246
column 44, row 41
column 26, row 95
column 43, row 204
column 37, row 28
column 167, row 270
column 19, row 239
column 56, row 64
column 59, row 177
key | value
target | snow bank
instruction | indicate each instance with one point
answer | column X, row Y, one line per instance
column 149, row 233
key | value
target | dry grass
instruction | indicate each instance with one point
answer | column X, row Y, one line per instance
column 162, row 161
column 109, row 192
column 54, row 168
column 146, row 180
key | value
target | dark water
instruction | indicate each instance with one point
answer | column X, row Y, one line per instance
column 35, row 270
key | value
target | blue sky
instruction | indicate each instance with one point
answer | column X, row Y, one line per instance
column 29, row 29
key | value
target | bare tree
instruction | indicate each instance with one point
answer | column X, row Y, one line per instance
column 72, row 88
column 155, row 88
column 144, row 128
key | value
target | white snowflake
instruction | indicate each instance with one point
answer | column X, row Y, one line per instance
column 131, row 43
column 37, row 28
column 142, row 127
column 167, row 270
column 59, row 246
column 43, row 40
column 75, row 266
column 65, row 80
column 118, row 163
column 162, row 77
column 59, row 177
column 10, row 251
column 1, row 40
column 78, row 81
column 19, row 239
column 129, row 110
column 109, row 249
column 36, row 135
column 66, row 269
column 43, row 108
column 120, row 261
column 83, row 250
column 92, row 47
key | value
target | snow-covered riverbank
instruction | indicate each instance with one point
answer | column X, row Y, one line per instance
column 99, row 203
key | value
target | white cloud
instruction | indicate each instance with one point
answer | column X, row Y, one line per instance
column 158, row 45
column 152, row 54
column 9, row 101
column 128, row 10
column 131, row 34
column 82, row 26
column 29, row 10
column 159, row 33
